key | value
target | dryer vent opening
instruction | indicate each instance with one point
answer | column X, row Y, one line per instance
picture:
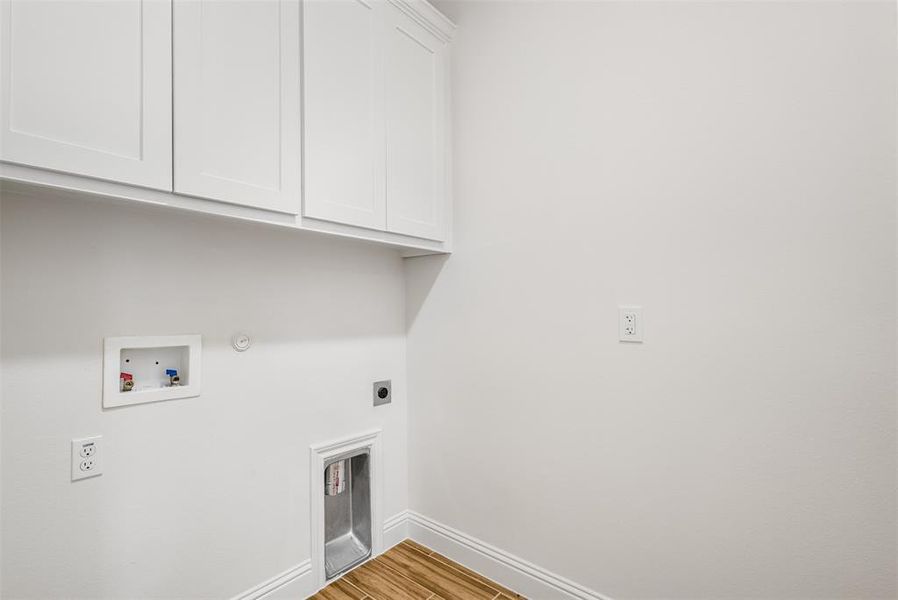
column 347, row 512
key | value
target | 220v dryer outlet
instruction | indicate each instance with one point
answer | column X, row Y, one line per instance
column 86, row 457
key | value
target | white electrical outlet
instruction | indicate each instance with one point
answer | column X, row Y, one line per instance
column 86, row 457
column 631, row 328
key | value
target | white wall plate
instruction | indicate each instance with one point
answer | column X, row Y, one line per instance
column 630, row 324
column 147, row 358
column 87, row 459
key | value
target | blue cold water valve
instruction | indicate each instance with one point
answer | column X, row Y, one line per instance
column 173, row 378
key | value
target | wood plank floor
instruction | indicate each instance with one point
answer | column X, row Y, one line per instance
column 410, row 571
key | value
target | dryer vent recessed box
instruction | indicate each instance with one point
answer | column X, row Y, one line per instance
column 142, row 369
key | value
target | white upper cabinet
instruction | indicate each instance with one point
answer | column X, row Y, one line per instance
column 86, row 88
column 415, row 128
column 344, row 111
column 237, row 102
column 324, row 115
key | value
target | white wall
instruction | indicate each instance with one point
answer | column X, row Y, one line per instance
column 730, row 166
column 200, row 498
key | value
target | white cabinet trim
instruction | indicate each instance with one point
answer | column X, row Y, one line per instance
column 37, row 183
column 428, row 17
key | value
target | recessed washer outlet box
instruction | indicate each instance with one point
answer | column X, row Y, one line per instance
column 139, row 369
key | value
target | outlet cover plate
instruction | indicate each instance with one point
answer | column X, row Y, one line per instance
column 87, row 457
column 631, row 323
column 381, row 396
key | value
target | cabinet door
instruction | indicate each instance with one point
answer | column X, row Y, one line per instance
column 237, row 101
column 343, row 98
column 415, row 129
column 86, row 88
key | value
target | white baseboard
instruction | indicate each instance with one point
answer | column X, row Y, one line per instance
column 515, row 573
column 511, row 571
column 297, row 583
column 294, row 583
column 395, row 529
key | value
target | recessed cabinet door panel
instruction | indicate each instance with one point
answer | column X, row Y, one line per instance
column 86, row 88
column 237, row 101
column 415, row 129
column 343, row 70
